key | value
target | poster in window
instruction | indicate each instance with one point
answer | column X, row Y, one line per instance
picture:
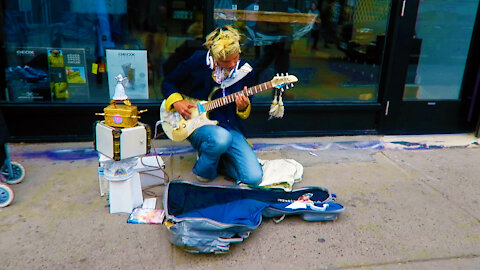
column 131, row 64
column 26, row 74
column 67, row 70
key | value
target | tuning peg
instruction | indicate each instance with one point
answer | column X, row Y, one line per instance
column 286, row 87
column 286, row 74
column 292, row 85
column 282, row 74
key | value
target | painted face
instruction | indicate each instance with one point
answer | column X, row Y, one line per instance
column 229, row 62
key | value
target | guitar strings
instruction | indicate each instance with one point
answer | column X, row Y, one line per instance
column 216, row 103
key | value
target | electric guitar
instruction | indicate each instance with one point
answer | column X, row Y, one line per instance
column 178, row 129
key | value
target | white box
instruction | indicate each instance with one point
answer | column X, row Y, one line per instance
column 151, row 170
column 122, row 143
column 125, row 195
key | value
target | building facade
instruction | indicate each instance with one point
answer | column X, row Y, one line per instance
column 364, row 66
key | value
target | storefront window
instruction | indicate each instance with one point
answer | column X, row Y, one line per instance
column 334, row 47
column 443, row 32
column 71, row 51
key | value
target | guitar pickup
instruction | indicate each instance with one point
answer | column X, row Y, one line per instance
column 177, row 117
column 200, row 108
column 174, row 119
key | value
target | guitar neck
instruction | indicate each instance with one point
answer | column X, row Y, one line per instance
column 219, row 102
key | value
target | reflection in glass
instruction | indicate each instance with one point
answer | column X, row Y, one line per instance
column 334, row 47
column 439, row 52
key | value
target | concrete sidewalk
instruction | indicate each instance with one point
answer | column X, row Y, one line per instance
column 410, row 204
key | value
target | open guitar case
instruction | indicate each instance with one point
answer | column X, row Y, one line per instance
column 207, row 219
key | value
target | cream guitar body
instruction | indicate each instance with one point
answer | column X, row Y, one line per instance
column 178, row 129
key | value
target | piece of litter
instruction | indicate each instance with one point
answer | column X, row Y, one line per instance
column 313, row 154
column 149, row 203
column 321, row 240
column 146, row 216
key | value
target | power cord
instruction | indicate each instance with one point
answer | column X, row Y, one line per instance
column 159, row 167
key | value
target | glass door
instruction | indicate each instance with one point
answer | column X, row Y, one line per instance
column 434, row 43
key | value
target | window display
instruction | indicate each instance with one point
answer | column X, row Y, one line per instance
column 131, row 64
column 27, row 76
column 56, row 51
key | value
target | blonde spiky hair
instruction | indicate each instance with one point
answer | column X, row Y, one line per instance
column 223, row 42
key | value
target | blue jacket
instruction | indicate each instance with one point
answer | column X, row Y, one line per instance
column 193, row 78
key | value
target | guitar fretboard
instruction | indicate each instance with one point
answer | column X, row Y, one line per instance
column 219, row 102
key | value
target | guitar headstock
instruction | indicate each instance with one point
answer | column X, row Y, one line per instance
column 280, row 81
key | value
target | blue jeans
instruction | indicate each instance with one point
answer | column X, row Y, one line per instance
column 238, row 159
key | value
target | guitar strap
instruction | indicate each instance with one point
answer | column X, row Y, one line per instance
column 236, row 76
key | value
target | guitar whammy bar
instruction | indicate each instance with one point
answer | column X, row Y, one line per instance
column 207, row 219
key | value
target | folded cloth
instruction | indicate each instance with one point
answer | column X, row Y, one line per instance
column 281, row 173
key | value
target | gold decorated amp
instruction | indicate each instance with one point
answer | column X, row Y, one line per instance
column 121, row 115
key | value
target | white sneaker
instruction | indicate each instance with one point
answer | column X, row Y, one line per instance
column 243, row 185
column 202, row 179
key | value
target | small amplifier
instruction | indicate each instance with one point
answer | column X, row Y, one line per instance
column 121, row 143
column 119, row 115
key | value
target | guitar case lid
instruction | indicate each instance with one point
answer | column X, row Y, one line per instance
column 206, row 219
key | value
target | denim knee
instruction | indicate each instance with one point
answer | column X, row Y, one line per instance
column 254, row 177
column 218, row 142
